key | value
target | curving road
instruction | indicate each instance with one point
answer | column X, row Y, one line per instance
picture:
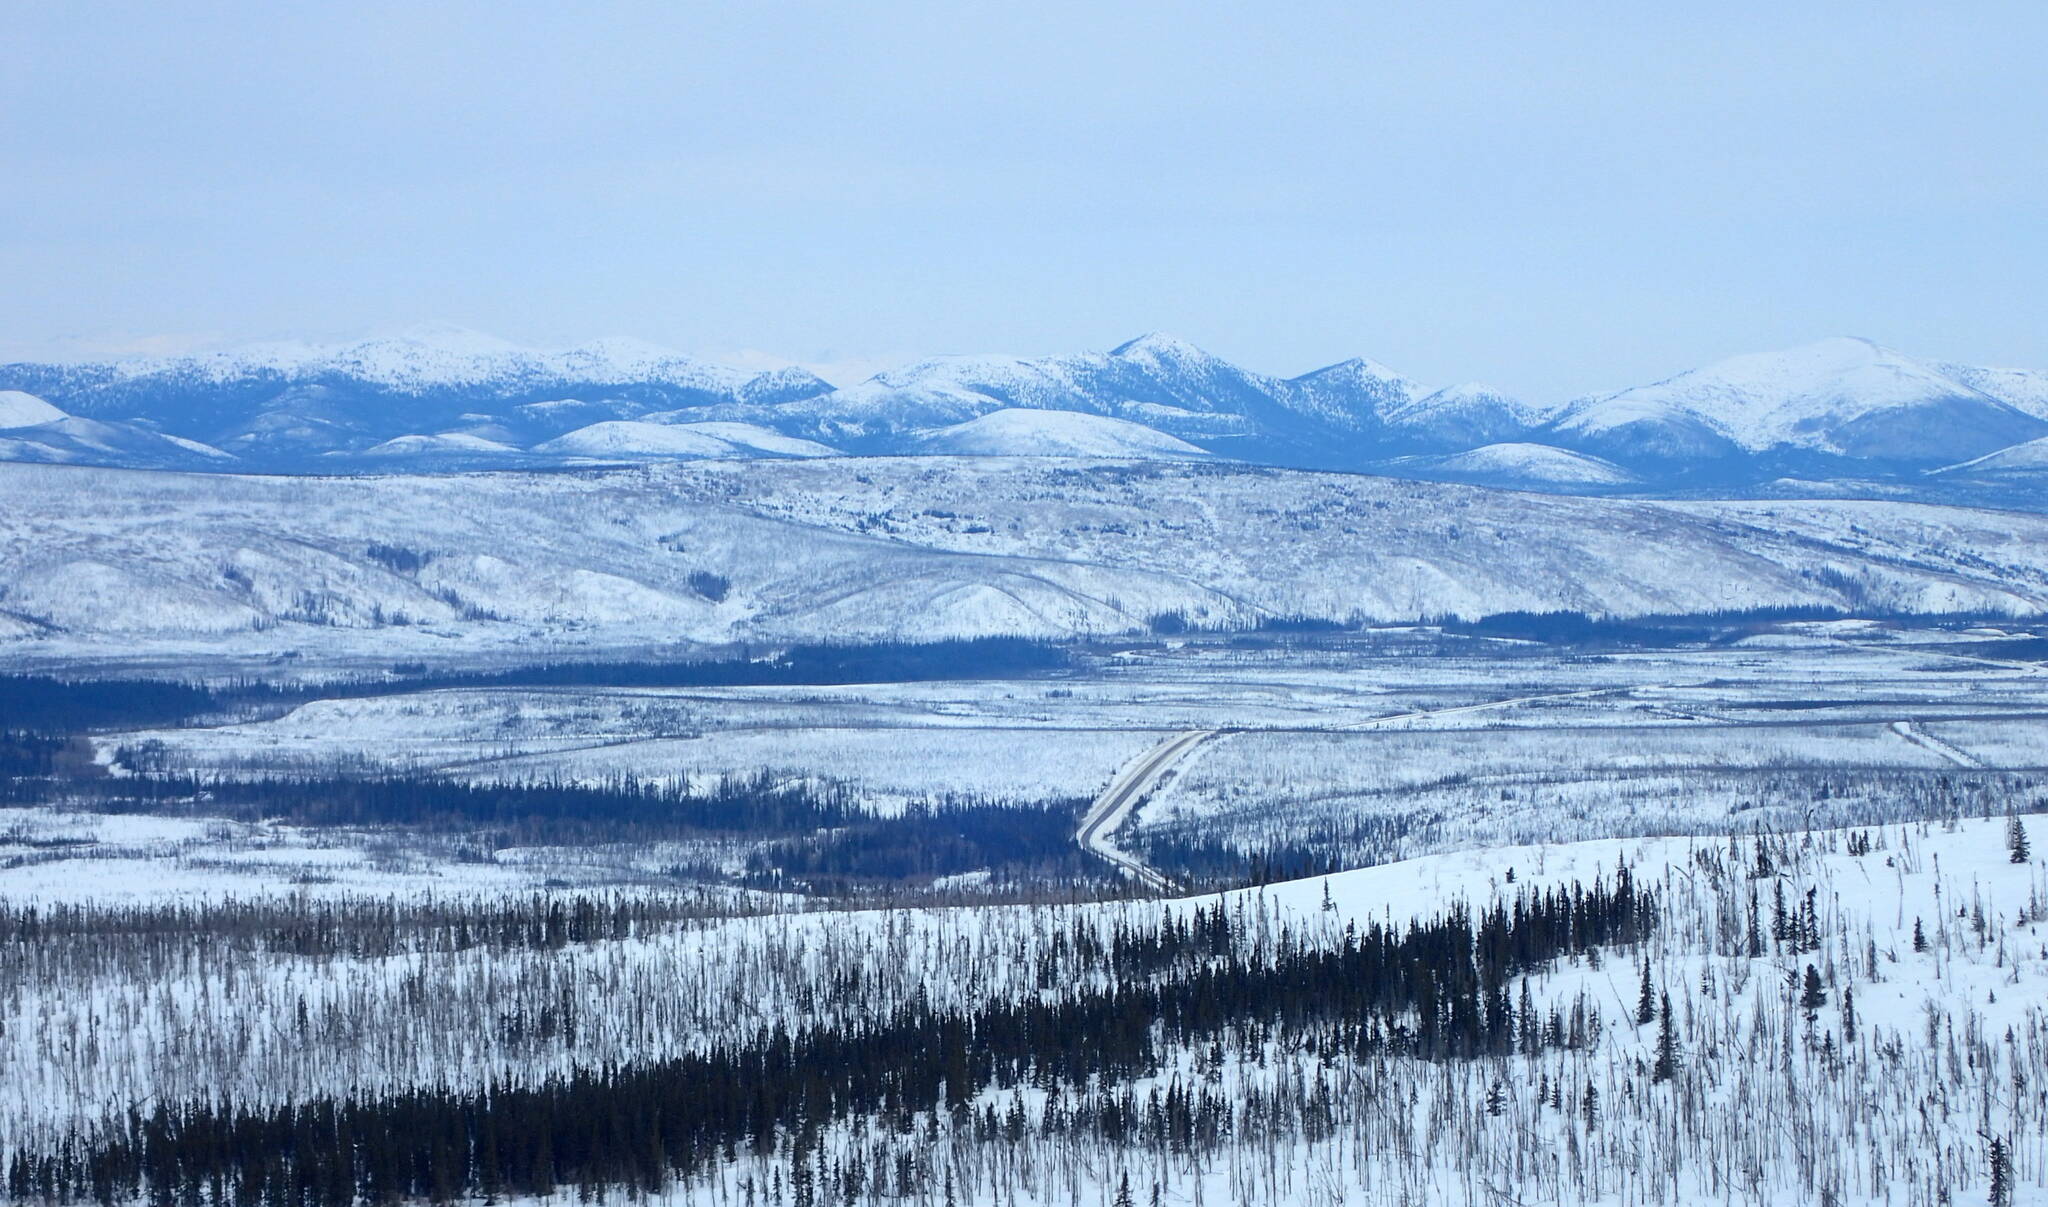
column 1131, row 785
column 1144, row 773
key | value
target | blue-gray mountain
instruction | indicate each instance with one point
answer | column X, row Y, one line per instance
column 1839, row 414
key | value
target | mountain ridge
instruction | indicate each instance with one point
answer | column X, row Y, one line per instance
column 1838, row 411
column 910, row 548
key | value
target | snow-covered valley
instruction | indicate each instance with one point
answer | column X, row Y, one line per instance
column 1265, row 836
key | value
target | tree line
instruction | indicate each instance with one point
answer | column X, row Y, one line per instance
column 54, row 704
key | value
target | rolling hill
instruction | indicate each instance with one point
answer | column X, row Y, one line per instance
column 860, row 548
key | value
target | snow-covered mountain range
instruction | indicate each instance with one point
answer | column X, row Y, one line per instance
column 1810, row 418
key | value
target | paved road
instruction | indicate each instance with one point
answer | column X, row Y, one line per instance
column 1911, row 731
column 1137, row 780
column 1130, row 786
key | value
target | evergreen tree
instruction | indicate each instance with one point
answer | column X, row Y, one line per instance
column 2001, row 1174
column 1848, row 1015
column 1781, row 924
column 1919, row 936
column 1812, row 997
column 2016, row 840
column 1589, row 1107
column 1646, row 998
column 1666, row 1066
column 1123, row 1192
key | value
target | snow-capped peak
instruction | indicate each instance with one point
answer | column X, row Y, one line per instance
column 624, row 350
column 1161, row 348
column 1464, row 397
column 1362, row 371
column 1801, row 397
column 442, row 355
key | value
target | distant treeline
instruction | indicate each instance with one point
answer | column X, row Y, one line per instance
column 45, row 704
column 1437, row 989
column 1169, row 624
column 622, row 809
column 28, row 754
column 799, row 665
column 818, row 838
column 1567, row 627
column 1209, row 863
column 353, row 928
column 2018, row 649
column 1579, row 628
column 42, row 704
column 1691, row 628
column 929, row 841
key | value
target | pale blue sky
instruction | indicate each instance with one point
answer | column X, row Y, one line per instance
column 1553, row 198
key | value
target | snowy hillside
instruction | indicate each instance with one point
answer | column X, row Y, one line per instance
column 1021, row 433
column 288, row 405
column 631, row 440
column 1463, row 417
column 842, row 548
column 75, row 441
column 439, row 445
column 1522, row 464
column 1845, row 1017
column 1155, row 380
column 2018, row 388
column 2030, row 457
column 25, row 410
column 1840, row 398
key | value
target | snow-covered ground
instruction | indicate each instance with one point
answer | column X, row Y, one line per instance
column 1772, row 1101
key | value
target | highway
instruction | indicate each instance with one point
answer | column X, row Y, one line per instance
column 1144, row 773
column 1130, row 786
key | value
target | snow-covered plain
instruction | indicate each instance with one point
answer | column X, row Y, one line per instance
column 1409, row 752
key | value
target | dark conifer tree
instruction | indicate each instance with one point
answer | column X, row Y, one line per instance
column 2016, row 840
column 1811, row 996
column 1666, row 1066
column 1646, row 998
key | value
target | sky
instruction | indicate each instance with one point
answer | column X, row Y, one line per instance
column 1554, row 199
